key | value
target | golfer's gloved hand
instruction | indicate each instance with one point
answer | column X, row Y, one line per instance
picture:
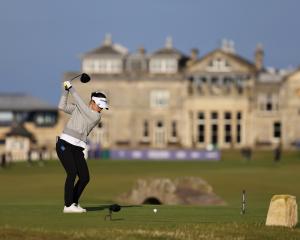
column 67, row 85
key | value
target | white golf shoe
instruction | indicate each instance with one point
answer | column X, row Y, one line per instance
column 82, row 209
column 73, row 209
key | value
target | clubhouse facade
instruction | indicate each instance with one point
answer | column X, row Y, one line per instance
column 167, row 99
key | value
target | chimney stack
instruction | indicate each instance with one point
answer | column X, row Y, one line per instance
column 228, row 46
column 259, row 57
column 107, row 40
column 142, row 50
column 169, row 43
column 194, row 54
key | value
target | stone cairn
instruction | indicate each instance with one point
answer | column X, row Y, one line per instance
column 283, row 211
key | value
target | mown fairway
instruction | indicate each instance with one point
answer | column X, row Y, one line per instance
column 31, row 200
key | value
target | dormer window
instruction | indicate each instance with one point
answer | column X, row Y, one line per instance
column 165, row 60
column 106, row 59
column 110, row 66
column 163, row 66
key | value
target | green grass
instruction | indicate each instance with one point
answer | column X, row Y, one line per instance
column 31, row 200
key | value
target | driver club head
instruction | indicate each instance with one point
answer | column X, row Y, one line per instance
column 115, row 208
column 84, row 78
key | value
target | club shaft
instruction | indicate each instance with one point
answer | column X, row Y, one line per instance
column 75, row 77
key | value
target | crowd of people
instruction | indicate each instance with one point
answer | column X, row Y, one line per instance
column 33, row 157
column 247, row 153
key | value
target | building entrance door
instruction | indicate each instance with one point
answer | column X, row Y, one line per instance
column 159, row 135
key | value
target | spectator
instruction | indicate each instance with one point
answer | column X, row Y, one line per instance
column 277, row 153
column 246, row 153
column 3, row 160
column 29, row 159
column 41, row 156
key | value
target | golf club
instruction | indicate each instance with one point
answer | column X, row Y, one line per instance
column 84, row 78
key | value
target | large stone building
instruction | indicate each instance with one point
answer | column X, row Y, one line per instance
column 167, row 99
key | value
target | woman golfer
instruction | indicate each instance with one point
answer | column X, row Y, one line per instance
column 72, row 142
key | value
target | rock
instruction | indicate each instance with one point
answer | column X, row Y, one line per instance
column 186, row 191
column 283, row 211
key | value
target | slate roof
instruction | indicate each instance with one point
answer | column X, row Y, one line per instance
column 20, row 130
column 168, row 51
column 22, row 102
column 104, row 49
column 242, row 59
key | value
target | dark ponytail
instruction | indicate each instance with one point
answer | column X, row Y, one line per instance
column 98, row 94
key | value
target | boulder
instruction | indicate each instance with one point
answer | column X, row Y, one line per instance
column 283, row 211
column 185, row 191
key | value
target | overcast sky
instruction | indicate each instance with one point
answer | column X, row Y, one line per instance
column 41, row 39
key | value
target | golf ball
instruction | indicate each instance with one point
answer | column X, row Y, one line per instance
column 155, row 210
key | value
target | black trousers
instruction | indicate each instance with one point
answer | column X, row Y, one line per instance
column 72, row 159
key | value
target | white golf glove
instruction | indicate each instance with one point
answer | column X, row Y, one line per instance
column 67, row 85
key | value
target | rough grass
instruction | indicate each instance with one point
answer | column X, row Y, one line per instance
column 31, row 200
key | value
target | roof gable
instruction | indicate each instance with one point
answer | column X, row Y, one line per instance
column 20, row 130
column 221, row 61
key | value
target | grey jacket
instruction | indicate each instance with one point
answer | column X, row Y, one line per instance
column 82, row 120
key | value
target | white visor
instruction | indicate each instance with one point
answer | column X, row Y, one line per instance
column 101, row 102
